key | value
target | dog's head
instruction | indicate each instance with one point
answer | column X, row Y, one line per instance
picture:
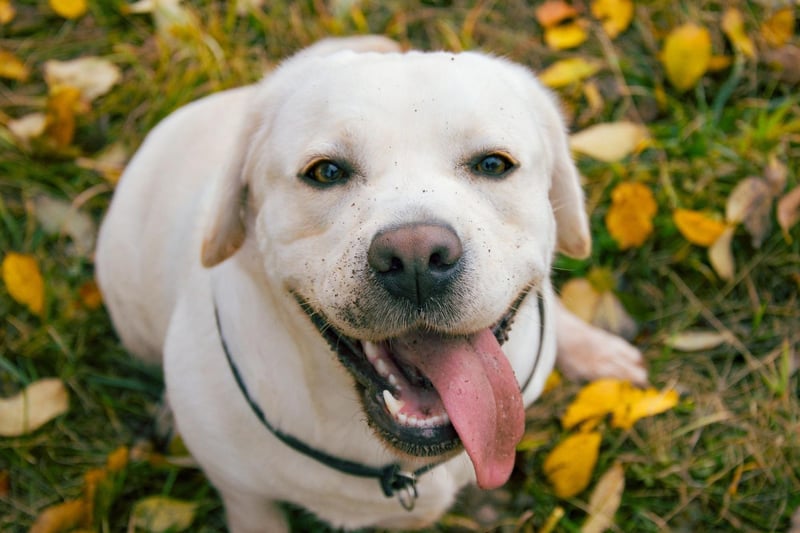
column 410, row 204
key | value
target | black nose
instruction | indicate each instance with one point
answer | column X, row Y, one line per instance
column 416, row 261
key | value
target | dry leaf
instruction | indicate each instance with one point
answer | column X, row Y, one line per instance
column 62, row 106
column 775, row 174
column 612, row 316
column 553, row 12
column 641, row 403
column 786, row 61
column 615, row 15
column 579, row 296
column 750, row 203
column 697, row 227
column 92, row 76
column 697, row 341
column 630, row 217
column 157, row 514
column 733, row 26
column 32, row 407
column 569, row 465
column 90, row 295
column 779, row 27
column 610, row 141
column 109, row 163
column 24, row 280
column 595, row 400
column 720, row 255
column 60, row 518
column 686, row 55
column 717, row 63
column 568, row 71
column 12, row 67
column 118, row 459
column 605, row 500
column 69, row 9
column 788, row 212
column 7, row 11
column 28, row 127
column 59, row 216
column 566, row 36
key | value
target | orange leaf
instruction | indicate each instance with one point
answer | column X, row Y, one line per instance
column 733, row 26
column 118, row 459
column 24, row 280
column 569, row 465
column 696, row 227
column 7, row 11
column 616, row 15
column 62, row 105
column 554, row 12
column 69, row 9
column 779, row 28
column 565, row 36
column 90, row 295
column 12, row 67
column 686, row 55
column 630, row 218
column 59, row 518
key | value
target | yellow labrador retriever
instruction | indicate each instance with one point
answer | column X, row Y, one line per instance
column 346, row 269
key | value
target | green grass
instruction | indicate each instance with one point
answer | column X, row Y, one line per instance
column 727, row 458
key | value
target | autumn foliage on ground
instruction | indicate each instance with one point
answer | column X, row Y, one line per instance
column 685, row 121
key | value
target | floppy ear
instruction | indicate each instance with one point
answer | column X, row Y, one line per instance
column 566, row 197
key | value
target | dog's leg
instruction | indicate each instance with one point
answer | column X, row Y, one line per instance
column 587, row 352
column 246, row 514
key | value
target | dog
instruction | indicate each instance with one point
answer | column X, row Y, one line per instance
column 345, row 272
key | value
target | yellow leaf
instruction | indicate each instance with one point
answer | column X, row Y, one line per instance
column 717, row 63
column 595, row 400
column 616, row 15
column 686, row 55
column 779, row 28
column 59, row 518
column 34, row 406
column 553, row 12
column 697, row 227
column 568, row 71
column 69, row 9
column 7, row 11
column 158, row 514
column 24, row 280
column 610, row 141
column 639, row 403
column 12, row 67
column 118, row 459
column 565, row 36
column 62, row 105
column 733, row 26
column 569, row 465
column 581, row 298
column 630, row 217
column 90, row 295
column 605, row 500
column 553, row 381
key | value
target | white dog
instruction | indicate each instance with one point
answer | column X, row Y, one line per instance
column 346, row 269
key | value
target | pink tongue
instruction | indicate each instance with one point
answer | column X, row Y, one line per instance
column 480, row 393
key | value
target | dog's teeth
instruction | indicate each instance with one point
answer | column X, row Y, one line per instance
column 393, row 404
column 394, row 383
column 371, row 350
column 382, row 367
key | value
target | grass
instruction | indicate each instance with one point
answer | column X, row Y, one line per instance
column 727, row 458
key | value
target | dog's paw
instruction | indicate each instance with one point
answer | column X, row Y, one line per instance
column 595, row 353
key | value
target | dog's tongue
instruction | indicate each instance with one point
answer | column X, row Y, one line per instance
column 480, row 393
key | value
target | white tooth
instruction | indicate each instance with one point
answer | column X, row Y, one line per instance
column 413, row 421
column 382, row 367
column 393, row 381
column 402, row 418
column 371, row 350
column 393, row 404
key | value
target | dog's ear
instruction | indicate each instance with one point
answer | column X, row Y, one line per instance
column 566, row 197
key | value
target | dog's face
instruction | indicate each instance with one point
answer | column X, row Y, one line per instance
column 410, row 204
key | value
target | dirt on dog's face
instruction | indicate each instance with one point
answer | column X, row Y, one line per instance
column 404, row 201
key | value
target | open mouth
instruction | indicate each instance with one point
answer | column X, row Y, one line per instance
column 428, row 393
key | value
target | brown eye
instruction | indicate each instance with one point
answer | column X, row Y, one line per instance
column 326, row 172
column 493, row 165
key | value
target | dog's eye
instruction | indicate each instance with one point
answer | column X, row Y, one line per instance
column 326, row 172
column 493, row 165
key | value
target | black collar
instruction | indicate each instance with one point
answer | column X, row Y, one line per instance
column 393, row 479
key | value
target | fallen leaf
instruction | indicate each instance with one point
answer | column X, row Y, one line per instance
column 720, row 255
column 109, row 163
column 59, row 518
column 786, row 62
column 566, row 36
column 63, row 104
column 639, row 404
column 779, row 27
column 568, row 71
column 7, row 11
column 733, row 26
column 69, row 9
column 28, row 127
column 553, row 12
column 775, row 174
column 610, row 141
column 118, row 459
column 788, row 212
column 697, row 341
column 59, row 216
column 718, row 63
column 605, row 499
column 750, row 204
column 157, row 514
column 569, row 465
column 579, row 296
column 686, row 55
column 615, row 15
column 5, row 486
column 612, row 316
column 629, row 219
column 24, row 280
column 697, row 227
column 92, row 76
column 594, row 400
column 33, row 407
column 90, row 295
column 12, row 67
